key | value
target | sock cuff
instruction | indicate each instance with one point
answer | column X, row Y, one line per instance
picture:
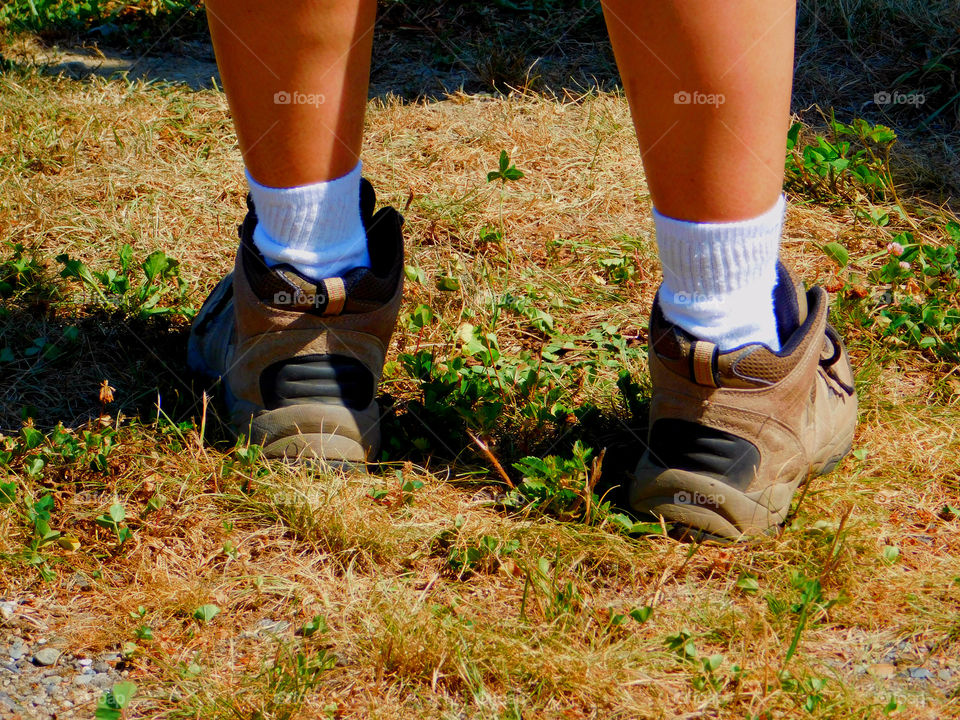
column 317, row 228
column 719, row 258
column 306, row 192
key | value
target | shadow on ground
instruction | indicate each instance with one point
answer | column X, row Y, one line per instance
column 55, row 364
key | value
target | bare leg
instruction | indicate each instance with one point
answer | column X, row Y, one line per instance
column 716, row 159
column 273, row 51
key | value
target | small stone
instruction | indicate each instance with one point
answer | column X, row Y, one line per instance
column 17, row 650
column 77, row 582
column 101, row 667
column 7, row 610
column 945, row 675
column 104, row 682
column 919, row 674
column 83, row 679
column 272, row 627
column 108, row 657
column 883, row 670
column 895, row 653
column 84, row 662
column 47, row 656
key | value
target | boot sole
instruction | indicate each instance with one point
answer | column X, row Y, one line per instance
column 710, row 507
column 312, row 431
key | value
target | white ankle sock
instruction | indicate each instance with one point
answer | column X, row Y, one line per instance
column 316, row 228
column 718, row 278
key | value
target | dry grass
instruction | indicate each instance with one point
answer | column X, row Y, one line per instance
column 89, row 165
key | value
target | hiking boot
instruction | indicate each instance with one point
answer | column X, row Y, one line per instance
column 734, row 434
column 300, row 360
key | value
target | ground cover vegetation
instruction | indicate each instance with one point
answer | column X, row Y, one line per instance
column 486, row 568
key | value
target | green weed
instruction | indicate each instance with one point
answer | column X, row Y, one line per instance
column 852, row 164
column 112, row 704
column 118, row 289
column 130, row 21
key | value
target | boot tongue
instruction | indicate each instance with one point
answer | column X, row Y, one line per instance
column 789, row 303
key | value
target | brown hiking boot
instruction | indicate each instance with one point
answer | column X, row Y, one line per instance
column 300, row 361
column 734, row 434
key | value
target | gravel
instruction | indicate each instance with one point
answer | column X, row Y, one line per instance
column 58, row 689
column 40, row 679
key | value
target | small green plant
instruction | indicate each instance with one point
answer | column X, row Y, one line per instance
column 248, row 456
column 638, row 614
column 114, row 520
column 317, row 625
column 283, row 685
column 230, row 549
column 554, row 484
column 852, row 163
column 118, row 288
column 748, row 584
column 206, row 613
column 22, row 275
column 619, row 269
column 39, row 514
column 559, row 601
column 112, row 704
column 707, row 675
column 142, row 631
column 539, row 320
column 681, row 643
column 484, row 556
column 506, row 172
column 811, row 604
column 806, row 691
column 405, row 490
